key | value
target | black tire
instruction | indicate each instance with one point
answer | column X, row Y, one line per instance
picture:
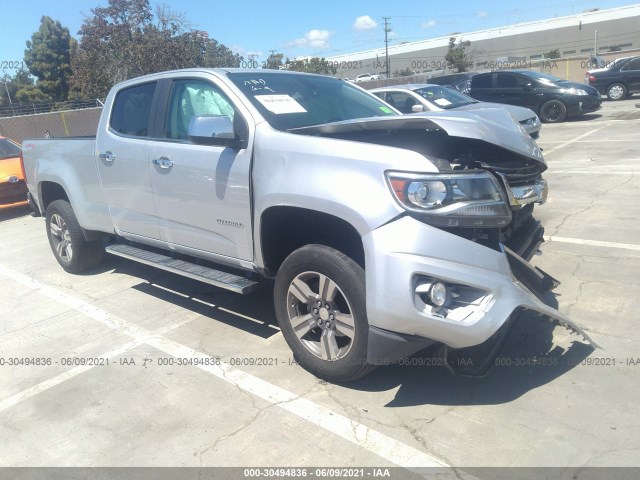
column 68, row 244
column 332, row 340
column 553, row 111
column 616, row 92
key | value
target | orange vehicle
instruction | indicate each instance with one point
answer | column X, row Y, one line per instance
column 13, row 189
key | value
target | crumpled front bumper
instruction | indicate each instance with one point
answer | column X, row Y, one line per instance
column 405, row 253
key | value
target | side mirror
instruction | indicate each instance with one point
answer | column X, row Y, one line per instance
column 417, row 108
column 212, row 130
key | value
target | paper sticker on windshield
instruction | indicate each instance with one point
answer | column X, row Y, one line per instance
column 443, row 102
column 386, row 109
column 279, row 104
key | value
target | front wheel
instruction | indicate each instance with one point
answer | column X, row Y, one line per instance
column 617, row 91
column 72, row 251
column 319, row 298
column 553, row 111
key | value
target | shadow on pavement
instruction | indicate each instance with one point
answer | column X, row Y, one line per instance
column 14, row 212
column 528, row 359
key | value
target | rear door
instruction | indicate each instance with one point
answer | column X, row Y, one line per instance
column 123, row 166
column 202, row 193
column 516, row 89
column 631, row 72
column 482, row 88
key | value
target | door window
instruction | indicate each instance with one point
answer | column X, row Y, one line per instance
column 634, row 64
column 509, row 80
column 481, row 81
column 191, row 98
column 132, row 110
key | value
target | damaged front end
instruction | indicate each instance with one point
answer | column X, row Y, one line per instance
column 454, row 267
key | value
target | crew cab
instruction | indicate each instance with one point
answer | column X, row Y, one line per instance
column 384, row 233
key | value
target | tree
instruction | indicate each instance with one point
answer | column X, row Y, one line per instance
column 552, row 53
column 311, row 65
column 48, row 57
column 274, row 62
column 458, row 56
column 405, row 72
column 123, row 40
column 21, row 88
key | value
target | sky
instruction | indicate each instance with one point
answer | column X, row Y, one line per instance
column 299, row 28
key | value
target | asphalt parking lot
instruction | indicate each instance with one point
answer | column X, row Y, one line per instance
column 246, row 404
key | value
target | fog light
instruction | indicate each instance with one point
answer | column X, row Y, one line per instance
column 439, row 295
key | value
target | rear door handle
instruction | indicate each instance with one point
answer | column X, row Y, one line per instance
column 107, row 157
column 162, row 162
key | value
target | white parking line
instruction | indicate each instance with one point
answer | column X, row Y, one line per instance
column 595, row 172
column 569, row 142
column 355, row 432
column 593, row 243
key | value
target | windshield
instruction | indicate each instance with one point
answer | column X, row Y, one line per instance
column 296, row 100
column 444, row 97
column 8, row 149
column 545, row 77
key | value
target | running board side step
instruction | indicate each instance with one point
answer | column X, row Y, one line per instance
column 228, row 281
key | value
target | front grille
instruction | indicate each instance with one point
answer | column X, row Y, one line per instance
column 520, row 174
column 13, row 192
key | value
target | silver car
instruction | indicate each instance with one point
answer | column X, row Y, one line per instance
column 414, row 98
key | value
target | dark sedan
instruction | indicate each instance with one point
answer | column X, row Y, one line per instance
column 552, row 98
column 618, row 80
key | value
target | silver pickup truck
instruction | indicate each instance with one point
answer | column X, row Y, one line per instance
column 384, row 233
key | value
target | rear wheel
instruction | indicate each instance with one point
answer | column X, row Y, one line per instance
column 617, row 91
column 72, row 251
column 319, row 299
column 553, row 111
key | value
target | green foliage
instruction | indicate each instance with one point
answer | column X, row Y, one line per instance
column 405, row 72
column 48, row 57
column 552, row 53
column 121, row 41
column 312, row 65
column 458, row 56
column 21, row 88
column 274, row 62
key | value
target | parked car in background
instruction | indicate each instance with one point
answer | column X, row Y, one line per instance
column 618, row 80
column 365, row 77
column 13, row 189
column 552, row 98
column 459, row 81
column 412, row 98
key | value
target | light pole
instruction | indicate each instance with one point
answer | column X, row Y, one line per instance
column 7, row 88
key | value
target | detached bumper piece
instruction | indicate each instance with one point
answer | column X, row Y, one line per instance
column 537, row 282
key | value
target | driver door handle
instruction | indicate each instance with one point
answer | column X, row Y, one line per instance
column 107, row 157
column 162, row 162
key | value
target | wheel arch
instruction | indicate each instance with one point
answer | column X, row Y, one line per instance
column 49, row 191
column 284, row 229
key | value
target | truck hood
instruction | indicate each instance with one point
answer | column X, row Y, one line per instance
column 519, row 113
column 495, row 126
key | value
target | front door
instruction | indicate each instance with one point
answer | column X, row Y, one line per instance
column 202, row 193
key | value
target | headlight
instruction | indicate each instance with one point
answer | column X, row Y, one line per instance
column 452, row 200
column 575, row 91
column 528, row 122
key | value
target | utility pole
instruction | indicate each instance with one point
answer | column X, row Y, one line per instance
column 595, row 44
column 252, row 63
column 387, row 29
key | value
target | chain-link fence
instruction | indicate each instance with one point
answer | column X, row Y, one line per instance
column 32, row 108
column 69, row 123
